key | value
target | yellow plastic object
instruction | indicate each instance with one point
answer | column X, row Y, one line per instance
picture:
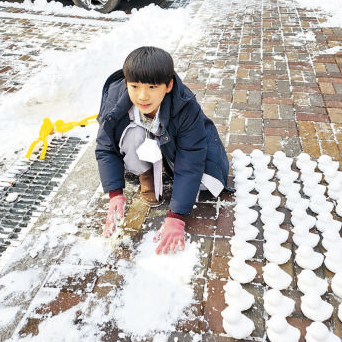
column 60, row 126
column 45, row 130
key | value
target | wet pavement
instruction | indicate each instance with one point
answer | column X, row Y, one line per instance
column 263, row 73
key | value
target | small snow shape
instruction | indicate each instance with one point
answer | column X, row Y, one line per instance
column 286, row 186
column 269, row 214
column 335, row 189
column 237, row 297
column 274, row 233
column 295, row 200
column 12, row 197
column 311, row 179
column 301, row 217
column 265, row 198
column 315, row 308
column 279, row 330
column 325, row 221
column 238, row 155
column 304, row 162
column 236, row 324
column 336, row 284
column 246, row 231
column 243, row 196
column 318, row 332
column 311, row 188
column 264, row 185
column 259, row 159
column 242, row 249
column 302, row 236
column 276, row 277
column 331, row 173
column 331, row 239
column 263, row 175
column 333, row 260
column 240, row 271
column 324, row 162
column 309, row 281
column 319, row 204
column 307, row 258
column 274, row 252
column 286, row 173
column 276, row 303
column 242, row 175
column 245, row 184
column 281, row 161
column 242, row 210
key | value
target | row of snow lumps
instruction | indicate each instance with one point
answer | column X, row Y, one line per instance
column 277, row 258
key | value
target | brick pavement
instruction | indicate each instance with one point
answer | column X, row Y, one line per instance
column 264, row 90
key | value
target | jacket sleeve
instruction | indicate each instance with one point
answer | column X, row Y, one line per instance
column 190, row 159
column 110, row 163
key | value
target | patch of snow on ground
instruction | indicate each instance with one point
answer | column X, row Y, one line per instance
column 332, row 7
column 160, row 283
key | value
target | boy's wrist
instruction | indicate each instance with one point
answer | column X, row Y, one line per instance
column 175, row 215
column 114, row 193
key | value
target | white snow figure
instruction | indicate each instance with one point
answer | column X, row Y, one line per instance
column 269, row 214
column 336, row 284
column 237, row 297
column 276, row 277
column 246, row 231
column 236, row 324
column 276, row 253
column 300, row 217
column 302, row 236
column 240, row 271
column 319, row 204
column 333, row 260
column 244, row 197
column 279, row 330
column 307, row 258
column 309, row 281
column 276, row 303
column 315, row 308
column 274, row 233
column 325, row 221
column 331, row 239
column 318, row 332
column 242, row 210
column 241, row 248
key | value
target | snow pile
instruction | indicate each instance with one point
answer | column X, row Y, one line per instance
column 157, row 289
column 332, row 7
column 70, row 87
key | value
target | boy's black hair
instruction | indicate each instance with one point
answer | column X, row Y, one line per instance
column 149, row 64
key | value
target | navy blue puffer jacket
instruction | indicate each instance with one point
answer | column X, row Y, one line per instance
column 189, row 140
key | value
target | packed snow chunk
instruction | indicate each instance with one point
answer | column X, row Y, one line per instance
column 333, row 259
column 279, row 330
column 237, row 297
column 12, row 197
column 309, row 281
column 276, row 277
column 161, row 283
column 277, row 304
column 236, row 324
column 241, row 248
column 315, row 308
column 307, row 258
column 240, row 271
column 274, row 252
column 318, row 332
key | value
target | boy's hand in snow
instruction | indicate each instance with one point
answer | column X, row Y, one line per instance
column 170, row 235
column 115, row 212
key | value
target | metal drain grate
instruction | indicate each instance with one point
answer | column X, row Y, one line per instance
column 23, row 199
